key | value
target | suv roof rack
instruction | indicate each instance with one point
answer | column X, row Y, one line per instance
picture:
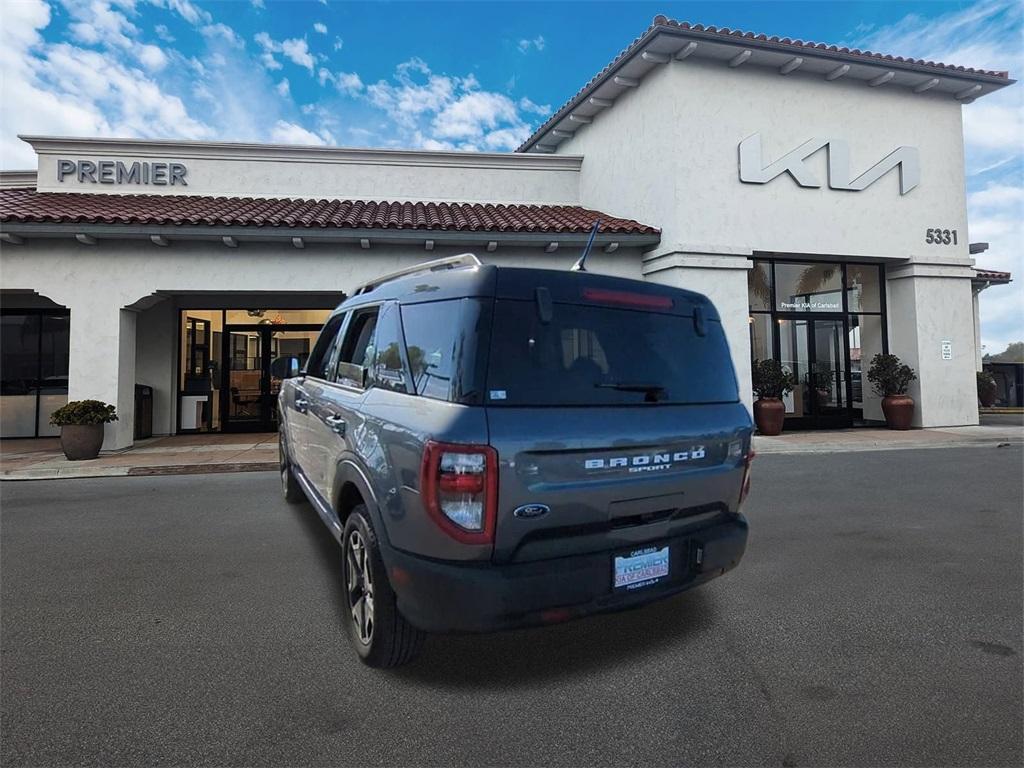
column 437, row 265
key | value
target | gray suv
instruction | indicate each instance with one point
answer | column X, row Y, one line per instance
column 499, row 447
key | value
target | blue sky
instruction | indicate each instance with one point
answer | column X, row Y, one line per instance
column 474, row 76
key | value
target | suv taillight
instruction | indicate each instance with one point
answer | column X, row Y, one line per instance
column 459, row 486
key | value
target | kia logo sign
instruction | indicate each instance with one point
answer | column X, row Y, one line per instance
column 754, row 171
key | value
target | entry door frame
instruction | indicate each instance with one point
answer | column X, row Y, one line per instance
column 265, row 422
column 817, row 420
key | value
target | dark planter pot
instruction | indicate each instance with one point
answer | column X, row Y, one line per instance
column 898, row 410
column 81, row 441
column 769, row 413
column 987, row 395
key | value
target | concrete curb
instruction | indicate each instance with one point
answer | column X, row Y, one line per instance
column 767, row 449
column 78, row 473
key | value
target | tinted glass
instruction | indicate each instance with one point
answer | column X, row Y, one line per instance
column 358, row 348
column 323, row 351
column 808, row 287
column 761, row 337
column 603, row 356
column 388, row 367
column 432, row 333
column 759, row 286
column 862, row 288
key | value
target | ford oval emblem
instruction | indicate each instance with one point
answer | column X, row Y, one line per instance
column 531, row 510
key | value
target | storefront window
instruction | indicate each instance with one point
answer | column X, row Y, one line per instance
column 759, row 286
column 34, row 371
column 808, row 287
column 862, row 288
column 761, row 337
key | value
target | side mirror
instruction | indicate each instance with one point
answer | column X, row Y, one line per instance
column 287, row 367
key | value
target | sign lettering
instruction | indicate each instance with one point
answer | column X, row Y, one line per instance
column 116, row 172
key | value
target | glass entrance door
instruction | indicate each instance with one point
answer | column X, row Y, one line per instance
column 814, row 350
column 246, row 386
column 251, row 380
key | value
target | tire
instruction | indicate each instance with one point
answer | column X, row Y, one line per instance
column 388, row 640
column 289, row 485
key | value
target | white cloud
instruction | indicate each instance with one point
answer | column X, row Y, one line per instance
column 283, row 88
column 258, row 4
column 348, row 82
column 320, row 27
column 284, row 132
column 527, row 105
column 338, row 43
column 224, row 32
column 295, row 50
column 537, row 43
column 188, row 10
column 163, row 33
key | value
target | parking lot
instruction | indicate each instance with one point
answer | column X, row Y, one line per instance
column 875, row 620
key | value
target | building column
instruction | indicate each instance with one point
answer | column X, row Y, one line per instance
column 931, row 328
column 101, row 364
column 723, row 279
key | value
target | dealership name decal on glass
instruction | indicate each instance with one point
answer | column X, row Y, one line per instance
column 117, row 172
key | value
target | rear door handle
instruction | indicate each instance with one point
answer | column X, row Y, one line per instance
column 336, row 423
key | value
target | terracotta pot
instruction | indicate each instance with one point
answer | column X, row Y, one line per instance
column 769, row 413
column 81, row 441
column 987, row 395
column 898, row 410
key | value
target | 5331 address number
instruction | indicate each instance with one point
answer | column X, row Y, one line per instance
column 940, row 236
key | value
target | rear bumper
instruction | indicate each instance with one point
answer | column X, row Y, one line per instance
column 442, row 596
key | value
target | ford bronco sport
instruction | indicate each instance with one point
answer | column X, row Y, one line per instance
column 498, row 447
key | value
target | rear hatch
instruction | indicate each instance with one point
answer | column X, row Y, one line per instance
column 613, row 407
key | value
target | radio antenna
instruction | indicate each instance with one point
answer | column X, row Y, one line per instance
column 579, row 265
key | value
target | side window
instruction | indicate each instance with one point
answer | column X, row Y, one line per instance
column 431, row 331
column 388, row 366
column 320, row 358
column 357, row 350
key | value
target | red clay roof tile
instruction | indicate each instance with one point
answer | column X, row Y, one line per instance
column 27, row 205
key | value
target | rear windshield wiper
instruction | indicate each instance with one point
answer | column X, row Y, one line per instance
column 651, row 391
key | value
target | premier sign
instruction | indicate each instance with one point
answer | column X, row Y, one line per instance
column 116, row 172
column 754, row 171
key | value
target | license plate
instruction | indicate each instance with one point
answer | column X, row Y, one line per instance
column 640, row 568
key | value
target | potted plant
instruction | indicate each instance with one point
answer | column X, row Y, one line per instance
column 890, row 379
column 770, row 383
column 987, row 389
column 81, row 427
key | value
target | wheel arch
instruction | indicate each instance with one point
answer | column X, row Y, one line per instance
column 351, row 488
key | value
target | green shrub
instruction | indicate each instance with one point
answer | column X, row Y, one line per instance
column 889, row 376
column 80, row 412
column 770, row 379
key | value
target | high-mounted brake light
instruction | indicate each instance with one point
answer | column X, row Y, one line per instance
column 459, row 488
column 627, row 298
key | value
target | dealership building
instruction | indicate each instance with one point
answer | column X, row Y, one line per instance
column 816, row 194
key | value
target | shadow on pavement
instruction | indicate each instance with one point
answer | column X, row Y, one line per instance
column 524, row 657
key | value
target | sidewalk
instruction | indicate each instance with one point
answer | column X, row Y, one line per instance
column 868, row 439
column 43, row 459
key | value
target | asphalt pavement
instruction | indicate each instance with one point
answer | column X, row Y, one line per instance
column 875, row 620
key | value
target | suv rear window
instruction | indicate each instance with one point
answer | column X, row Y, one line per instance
column 588, row 355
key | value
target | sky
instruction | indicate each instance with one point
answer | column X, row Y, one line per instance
column 468, row 76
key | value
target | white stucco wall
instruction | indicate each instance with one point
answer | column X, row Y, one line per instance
column 112, row 347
